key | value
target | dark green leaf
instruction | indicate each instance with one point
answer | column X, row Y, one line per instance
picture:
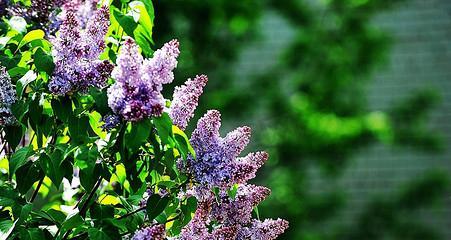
column 62, row 108
column 24, row 213
column 19, row 159
column 78, row 128
column 14, row 135
column 156, row 205
column 164, row 128
column 137, row 135
column 31, row 234
column 27, row 175
column 127, row 22
column 19, row 109
column 52, row 166
column 97, row 234
column 43, row 61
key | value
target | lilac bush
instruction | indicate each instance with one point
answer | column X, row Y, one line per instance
column 98, row 123
column 76, row 52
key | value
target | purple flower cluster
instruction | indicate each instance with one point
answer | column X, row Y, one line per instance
column 136, row 94
column 184, row 100
column 218, row 165
column 84, row 9
column 230, row 218
column 7, row 98
column 156, row 232
column 110, row 121
column 40, row 11
column 76, row 52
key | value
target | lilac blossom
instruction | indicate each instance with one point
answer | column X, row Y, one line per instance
column 83, row 9
column 229, row 217
column 268, row 229
column 110, row 121
column 7, row 98
column 40, row 12
column 217, row 163
column 76, row 52
column 136, row 94
column 185, row 99
column 156, row 232
column 239, row 209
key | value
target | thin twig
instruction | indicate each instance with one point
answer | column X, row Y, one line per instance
column 84, row 208
column 35, row 193
column 131, row 213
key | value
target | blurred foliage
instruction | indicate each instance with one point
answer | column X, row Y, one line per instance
column 310, row 107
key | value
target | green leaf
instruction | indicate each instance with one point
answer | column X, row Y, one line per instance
column 24, row 213
column 19, row 158
column 22, row 83
column 85, row 159
column 121, row 173
column 19, row 109
column 143, row 32
column 97, row 234
column 14, row 135
column 126, row 22
column 43, row 61
column 62, row 108
column 156, row 205
column 8, row 197
column 27, row 175
column 188, row 208
column 78, row 128
column 7, row 228
column 52, row 166
column 30, row 36
column 164, row 128
column 31, row 234
column 95, row 122
column 137, row 135
column 72, row 221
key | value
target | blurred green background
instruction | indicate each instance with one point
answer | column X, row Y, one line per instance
column 350, row 98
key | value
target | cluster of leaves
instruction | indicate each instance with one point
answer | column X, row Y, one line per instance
column 39, row 197
column 311, row 101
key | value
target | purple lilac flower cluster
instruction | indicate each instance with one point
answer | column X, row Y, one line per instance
column 218, row 165
column 7, row 98
column 40, row 11
column 76, row 52
column 110, row 121
column 184, row 100
column 84, row 9
column 156, row 232
column 136, row 94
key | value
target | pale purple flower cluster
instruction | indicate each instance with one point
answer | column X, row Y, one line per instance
column 216, row 166
column 7, row 98
column 76, row 52
column 217, row 163
column 136, row 94
column 185, row 99
column 156, row 232
column 84, row 9
column 40, row 12
column 110, row 121
column 263, row 230
column 230, row 218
